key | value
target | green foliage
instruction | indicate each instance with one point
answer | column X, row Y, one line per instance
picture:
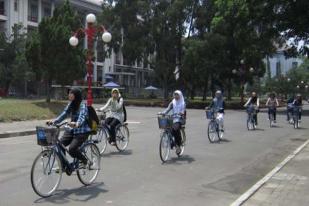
column 49, row 52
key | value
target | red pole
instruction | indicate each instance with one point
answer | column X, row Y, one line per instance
column 90, row 31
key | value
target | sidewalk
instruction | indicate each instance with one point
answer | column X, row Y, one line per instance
column 22, row 128
column 288, row 187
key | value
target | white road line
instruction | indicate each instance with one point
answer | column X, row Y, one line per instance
column 132, row 122
column 244, row 197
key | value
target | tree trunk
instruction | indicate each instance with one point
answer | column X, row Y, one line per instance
column 229, row 89
column 48, row 88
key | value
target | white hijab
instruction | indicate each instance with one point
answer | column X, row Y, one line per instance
column 179, row 105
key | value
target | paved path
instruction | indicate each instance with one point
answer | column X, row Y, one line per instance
column 207, row 174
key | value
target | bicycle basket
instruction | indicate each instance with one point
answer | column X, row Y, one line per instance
column 47, row 136
column 165, row 122
column 209, row 114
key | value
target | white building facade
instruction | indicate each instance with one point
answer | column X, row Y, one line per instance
column 30, row 12
column 279, row 65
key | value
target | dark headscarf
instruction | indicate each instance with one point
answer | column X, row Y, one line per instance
column 74, row 106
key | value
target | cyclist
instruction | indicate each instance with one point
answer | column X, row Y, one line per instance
column 289, row 108
column 255, row 102
column 78, row 132
column 297, row 103
column 178, row 107
column 218, row 105
column 115, row 115
column 272, row 104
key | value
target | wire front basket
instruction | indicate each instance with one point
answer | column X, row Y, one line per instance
column 165, row 122
column 210, row 114
column 47, row 136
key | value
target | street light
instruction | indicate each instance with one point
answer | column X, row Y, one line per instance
column 90, row 33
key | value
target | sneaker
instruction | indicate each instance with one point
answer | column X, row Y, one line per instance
column 113, row 143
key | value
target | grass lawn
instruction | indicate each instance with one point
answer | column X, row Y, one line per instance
column 20, row 110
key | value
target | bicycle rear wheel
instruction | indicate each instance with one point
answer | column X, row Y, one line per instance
column 165, row 147
column 212, row 131
column 89, row 174
column 122, row 137
column 100, row 139
column 46, row 173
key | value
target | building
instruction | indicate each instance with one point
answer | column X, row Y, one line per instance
column 278, row 64
column 30, row 12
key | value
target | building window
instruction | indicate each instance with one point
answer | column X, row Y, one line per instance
column 47, row 12
column 2, row 6
column 33, row 11
column 294, row 65
column 100, row 51
column 278, row 69
column 16, row 5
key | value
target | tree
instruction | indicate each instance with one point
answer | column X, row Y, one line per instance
column 12, row 58
column 49, row 53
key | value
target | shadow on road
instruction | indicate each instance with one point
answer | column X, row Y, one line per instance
column 117, row 153
column 80, row 194
column 183, row 159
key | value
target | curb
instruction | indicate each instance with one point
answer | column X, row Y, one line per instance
column 249, row 193
column 8, row 134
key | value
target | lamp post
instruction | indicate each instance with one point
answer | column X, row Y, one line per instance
column 241, row 73
column 90, row 31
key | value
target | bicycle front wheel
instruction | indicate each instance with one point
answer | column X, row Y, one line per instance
column 100, row 139
column 165, row 147
column 46, row 173
column 122, row 137
column 89, row 174
column 213, row 135
column 250, row 123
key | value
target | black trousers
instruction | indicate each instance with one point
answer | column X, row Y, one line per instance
column 112, row 123
column 176, row 133
column 75, row 141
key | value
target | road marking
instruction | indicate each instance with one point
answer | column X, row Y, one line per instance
column 244, row 197
column 132, row 122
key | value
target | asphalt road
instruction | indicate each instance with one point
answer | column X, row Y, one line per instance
column 207, row 174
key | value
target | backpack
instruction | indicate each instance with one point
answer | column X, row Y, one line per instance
column 92, row 119
column 124, row 110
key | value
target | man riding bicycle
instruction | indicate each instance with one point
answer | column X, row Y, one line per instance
column 178, row 107
column 218, row 106
column 78, row 132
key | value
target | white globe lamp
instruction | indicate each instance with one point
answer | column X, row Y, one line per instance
column 90, row 18
column 106, row 37
column 73, row 41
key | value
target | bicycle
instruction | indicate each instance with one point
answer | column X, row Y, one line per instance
column 296, row 112
column 289, row 111
column 215, row 133
column 251, row 124
column 167, row 140
column 271, row 116
column 103, row 135
column 48, row 166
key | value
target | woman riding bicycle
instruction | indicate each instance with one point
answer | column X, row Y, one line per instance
column 272, row 104
column 253, row 101
column 218, row 106
column 178, row 107
column 115, row 114
column 79, row 130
